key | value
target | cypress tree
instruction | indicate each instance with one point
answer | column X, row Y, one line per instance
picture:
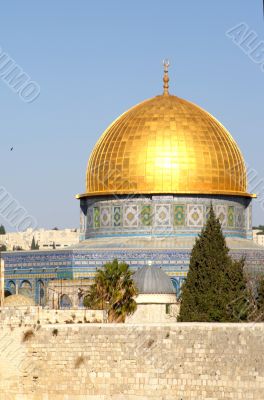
column 260, row 299
column 215, row 288
column 33, row 244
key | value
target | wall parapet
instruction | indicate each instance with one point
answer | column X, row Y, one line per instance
column 31, row 315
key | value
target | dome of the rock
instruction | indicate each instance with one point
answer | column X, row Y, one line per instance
column 151, row 181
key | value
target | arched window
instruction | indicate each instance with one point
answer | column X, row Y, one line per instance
column 65, row 302
column 11, row 286
column 41, row 292
column 176, row 284
column 80, row 293
column 25, row 289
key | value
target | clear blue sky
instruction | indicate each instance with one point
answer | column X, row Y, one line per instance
column 95, row 59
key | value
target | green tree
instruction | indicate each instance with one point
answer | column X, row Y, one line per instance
column 2, row 230
column 215, row 288
column 3, row 247
column 114, row 291
column 257, row 300
column 17, row 248
column 34, row 244
column 260, row 298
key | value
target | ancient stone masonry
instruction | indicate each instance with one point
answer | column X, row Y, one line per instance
column 132, row 362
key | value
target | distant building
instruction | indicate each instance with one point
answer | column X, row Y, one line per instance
column 46, row 239
column 258, row 236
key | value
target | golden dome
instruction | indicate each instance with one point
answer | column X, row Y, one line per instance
column 166, row 145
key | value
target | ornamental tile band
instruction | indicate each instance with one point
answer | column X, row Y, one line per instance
column 179, row 215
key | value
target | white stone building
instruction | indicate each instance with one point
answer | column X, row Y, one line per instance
column 258, row 236
column 156, row 300
column 46, row 239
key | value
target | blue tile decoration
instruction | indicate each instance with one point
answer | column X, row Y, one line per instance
column 96, row 217
column 195, row 215
column 231, row 216
column 117, row 216
column 131, row 216
column 179, row 215
column 137, row 216
column 146, row 215
column 170, row 214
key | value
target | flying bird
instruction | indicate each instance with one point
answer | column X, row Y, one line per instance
column 11, row 149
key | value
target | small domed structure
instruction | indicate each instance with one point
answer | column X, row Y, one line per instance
column 154, row 286
column 18, row 300
column 152, row 280
column 156, row 300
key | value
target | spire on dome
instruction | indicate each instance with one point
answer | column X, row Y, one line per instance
column 166, row 64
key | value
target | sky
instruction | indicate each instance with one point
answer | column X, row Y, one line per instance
column 92, row 60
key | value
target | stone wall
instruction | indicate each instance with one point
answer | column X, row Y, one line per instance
column 133, row 362
column 29, row 316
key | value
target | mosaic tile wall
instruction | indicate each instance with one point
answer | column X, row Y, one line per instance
column 163, row 215
column 138, row 215
column 40, row 267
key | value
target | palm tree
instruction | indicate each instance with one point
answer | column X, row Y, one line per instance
column 113, row 290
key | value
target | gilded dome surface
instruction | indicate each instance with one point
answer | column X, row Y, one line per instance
column 166, row 145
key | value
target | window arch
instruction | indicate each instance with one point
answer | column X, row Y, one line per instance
column 65, row 302
column 11, row 286
column 41, row 292
column 177, row 286
column 25, row 288
column 177, row 283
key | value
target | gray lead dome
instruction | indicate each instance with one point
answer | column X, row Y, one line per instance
column 152, row 280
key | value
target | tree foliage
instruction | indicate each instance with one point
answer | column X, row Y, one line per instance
column 260, row 296
column 114, row 291
column 17, row 248
column 2, row 230
column 34, row 244
column 256, row 299
column 215, row 288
